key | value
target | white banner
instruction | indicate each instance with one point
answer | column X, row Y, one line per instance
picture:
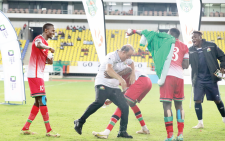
column 189, row 14
column 88, row 67
column 12, row 64
column 96, row 20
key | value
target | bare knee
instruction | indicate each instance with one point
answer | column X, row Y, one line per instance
column 131, row 104
column 178, row 105
column 42, row 100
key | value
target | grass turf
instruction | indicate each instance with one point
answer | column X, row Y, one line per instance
column 68, row 100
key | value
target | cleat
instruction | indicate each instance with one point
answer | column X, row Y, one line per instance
column 100, row 135
column 199, row 126
column 143, row 132
column 27, row 132
column 223, row 119
column 78, row 126
column 170, row 139
column 52, row 134
column 179, row 138
column 124, row 134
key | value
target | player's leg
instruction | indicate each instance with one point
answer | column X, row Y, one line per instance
column 178, row 97
column 136, row 93
column 118, row 99
column 166, row 96
column 168, row 118
column 180, row 119
column 214, row 95
column 115, row 117
column 35, row 91
column 199, row 93
column 102, row 93
column 42, row 100
column 34, row 111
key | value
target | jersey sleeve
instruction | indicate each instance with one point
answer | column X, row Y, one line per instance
column 111, row 59
column 186, row 54
column 129, row 61
column 38, row 40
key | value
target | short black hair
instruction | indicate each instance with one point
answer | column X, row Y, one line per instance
column 175, row 32
column 127, row 48
column 46, row 26
column 197, row 32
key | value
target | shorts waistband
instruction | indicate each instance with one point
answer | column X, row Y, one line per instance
column 142, row 76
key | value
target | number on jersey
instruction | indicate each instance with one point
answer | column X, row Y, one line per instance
column 175, row 54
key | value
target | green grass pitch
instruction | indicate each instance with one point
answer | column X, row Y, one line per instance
column 68, row 100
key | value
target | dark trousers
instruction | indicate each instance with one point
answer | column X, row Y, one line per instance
column 116, row 96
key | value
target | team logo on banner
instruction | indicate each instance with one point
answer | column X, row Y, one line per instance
column 11, row 56
column 186, row 5
column 92, row 8
column 3, row 31
column 98, row 37
column 13, row 82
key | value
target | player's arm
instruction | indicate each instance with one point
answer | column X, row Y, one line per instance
column 221, row 57
column 113, row 74
column 40, row 45
column 185, row 63
column 121, row 73
column 49, row 61
column 132, row 76
column 133, row 31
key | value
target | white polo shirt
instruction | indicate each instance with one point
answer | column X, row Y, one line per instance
column 113, row 59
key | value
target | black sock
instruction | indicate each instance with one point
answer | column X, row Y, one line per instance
column 198, row 110
column 220, row 107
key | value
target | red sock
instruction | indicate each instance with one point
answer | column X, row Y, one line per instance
column 180, row 126
column 169, row 126
column 44, row 112
column 34, row 111
column 138, row 115
column 115, row 117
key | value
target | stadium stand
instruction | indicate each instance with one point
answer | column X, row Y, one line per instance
column 18, row 30
column 86, row 52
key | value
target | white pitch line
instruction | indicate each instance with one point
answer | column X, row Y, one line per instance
column 47, row 86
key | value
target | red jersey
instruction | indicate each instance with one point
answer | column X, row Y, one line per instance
column 180, row 53
column 37, row 59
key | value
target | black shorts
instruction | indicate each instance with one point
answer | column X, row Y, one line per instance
column 210, row 89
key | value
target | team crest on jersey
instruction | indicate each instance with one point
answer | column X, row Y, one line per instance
column 102, row 88
column 208, row 49
column 92, row 8
column 186, row 5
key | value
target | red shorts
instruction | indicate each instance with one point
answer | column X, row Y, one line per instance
column 138, row 90
column 173, row 89
column 37, row 87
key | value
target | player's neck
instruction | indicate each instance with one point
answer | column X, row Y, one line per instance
column 45, row 36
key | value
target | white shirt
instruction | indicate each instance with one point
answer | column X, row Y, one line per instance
column 113, row 59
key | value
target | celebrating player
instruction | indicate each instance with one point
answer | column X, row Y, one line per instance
column 39, row 57
column 109, row 88
column 203, row 60
column 135, row 93
column 173, row 87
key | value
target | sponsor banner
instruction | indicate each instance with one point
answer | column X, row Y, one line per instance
column 190, row 17
column 96, row 20
column 92, row 67
column 11, row 59
column 88, row 67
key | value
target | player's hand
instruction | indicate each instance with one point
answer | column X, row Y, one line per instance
column 52, row 50
column 107, row 76
column 132, row 78
column 108, row 102
column 130, row 32
column 222, row 70
column 123, row 84
column 49, row 61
